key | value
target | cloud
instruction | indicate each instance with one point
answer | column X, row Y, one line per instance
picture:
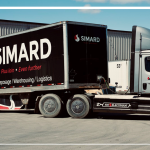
column 89, row 11
column 114, row 1
column 128, row 1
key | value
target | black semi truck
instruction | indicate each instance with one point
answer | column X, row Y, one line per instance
column 50, row 67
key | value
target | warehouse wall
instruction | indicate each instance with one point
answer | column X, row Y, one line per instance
column 119, row 45
column 9, row 27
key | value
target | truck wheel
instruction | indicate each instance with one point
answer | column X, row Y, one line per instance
column 50, row 105
column 78, row 106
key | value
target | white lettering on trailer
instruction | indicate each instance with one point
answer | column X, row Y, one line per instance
column 3, row 55
column 90, row 39
column 11, row 56
column 0, row 56
column 34, row 52
column 6, row 82
column 23, row 53
column 28, row 80
column 42, row 41
column 44, row 78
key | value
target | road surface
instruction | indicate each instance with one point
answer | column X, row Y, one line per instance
column 26, row 130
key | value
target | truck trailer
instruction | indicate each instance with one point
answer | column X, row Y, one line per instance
column 51, row 67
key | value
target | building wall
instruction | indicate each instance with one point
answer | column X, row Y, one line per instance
column 9, row 27
column 119, row 45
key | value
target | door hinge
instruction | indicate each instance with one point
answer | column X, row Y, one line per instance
column 140, row 55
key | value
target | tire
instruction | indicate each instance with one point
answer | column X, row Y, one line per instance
column 78, row 106
column 50, row 105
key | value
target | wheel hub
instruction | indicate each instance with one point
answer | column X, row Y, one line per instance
column 77, row 106
column 49, row 105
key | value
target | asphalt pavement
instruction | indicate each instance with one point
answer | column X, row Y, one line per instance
column 22, row 130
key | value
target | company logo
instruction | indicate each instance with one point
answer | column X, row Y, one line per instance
column 118, row 105
column 77, row 39
column 17, row 53
column 87, row 39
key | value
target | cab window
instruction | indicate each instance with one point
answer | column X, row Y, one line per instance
column 147, row 64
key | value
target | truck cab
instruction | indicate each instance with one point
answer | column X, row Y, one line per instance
column 138, row 99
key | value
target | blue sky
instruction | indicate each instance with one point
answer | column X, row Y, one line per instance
column 74, row 2
column 114, row 19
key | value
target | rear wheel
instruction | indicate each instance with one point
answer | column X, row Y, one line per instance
column 78, row 106
column 50, row 105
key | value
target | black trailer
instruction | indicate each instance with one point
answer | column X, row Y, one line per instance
column 53, row 65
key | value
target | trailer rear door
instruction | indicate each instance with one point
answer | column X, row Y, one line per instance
column 87, row 53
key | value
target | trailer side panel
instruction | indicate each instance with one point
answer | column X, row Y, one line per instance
column 32, row 58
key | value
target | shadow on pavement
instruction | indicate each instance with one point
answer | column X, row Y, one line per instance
column 18, row 111
column 109, row 116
